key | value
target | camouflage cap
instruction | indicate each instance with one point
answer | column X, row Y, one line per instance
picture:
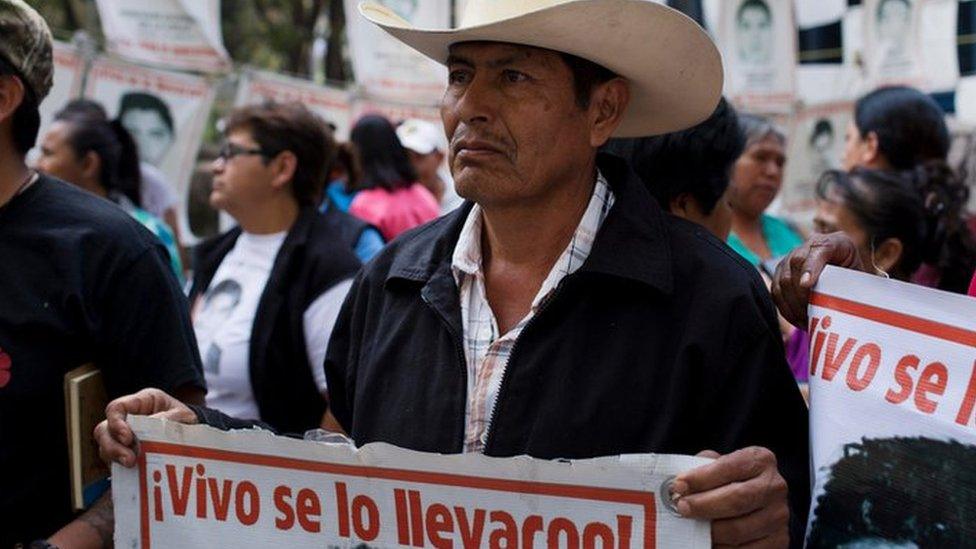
column 26, row 45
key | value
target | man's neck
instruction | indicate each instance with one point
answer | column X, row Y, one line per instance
column 535, row 233
column 13, row 173
column 271, row 217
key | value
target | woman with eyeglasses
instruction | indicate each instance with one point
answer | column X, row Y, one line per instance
column 88, row 151
column 266, row 294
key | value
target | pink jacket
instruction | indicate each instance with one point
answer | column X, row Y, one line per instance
column 395, row 212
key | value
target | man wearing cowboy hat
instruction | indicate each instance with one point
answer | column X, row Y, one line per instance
column 560, row 313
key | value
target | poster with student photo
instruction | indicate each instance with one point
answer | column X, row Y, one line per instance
column 68, row 68
column 332, row 104
column 758, row 43
column 166, row 114
column 816, row 144
column 892, row 42
column 178, row 34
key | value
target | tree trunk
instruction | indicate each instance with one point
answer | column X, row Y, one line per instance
column 335, row 67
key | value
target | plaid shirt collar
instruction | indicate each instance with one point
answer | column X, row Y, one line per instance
column 467, row 257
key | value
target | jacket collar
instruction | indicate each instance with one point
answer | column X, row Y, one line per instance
column 632, row 243
column 210, row 254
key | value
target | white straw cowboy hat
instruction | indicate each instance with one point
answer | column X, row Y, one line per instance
column 674, row 68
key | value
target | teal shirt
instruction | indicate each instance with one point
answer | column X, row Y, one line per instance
column 780, row 237
column 165, row 235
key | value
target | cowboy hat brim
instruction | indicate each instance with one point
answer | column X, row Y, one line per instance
column 674, row 68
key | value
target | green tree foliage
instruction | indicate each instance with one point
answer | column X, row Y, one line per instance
column 275, row 35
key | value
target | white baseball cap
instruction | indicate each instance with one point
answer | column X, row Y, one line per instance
column 421, row 137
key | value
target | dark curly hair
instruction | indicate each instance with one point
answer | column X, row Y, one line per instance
column 696, row 161
column 921, row 207
column 908, row 490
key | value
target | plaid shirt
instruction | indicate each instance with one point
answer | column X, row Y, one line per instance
column 485, row 350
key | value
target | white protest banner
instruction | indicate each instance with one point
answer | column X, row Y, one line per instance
column 178, row 34
column 68, row 68
column 893, row 413
column 194, row 486
column 384, row 66
column 165, row 112
column 816, row 144
column 892, row 42
column 758, row 43
column 332, row 104
column 394, row 112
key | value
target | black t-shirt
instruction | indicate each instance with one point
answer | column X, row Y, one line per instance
column 80, row 281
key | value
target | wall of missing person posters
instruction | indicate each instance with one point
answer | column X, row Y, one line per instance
column 893, row 413
column 802, row 63
column 166, row 112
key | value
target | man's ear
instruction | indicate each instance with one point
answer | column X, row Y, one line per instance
column 608, row 102
column 679, row 205
column 12, row 94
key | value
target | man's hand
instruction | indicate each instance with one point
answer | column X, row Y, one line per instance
column 116, row 441
column 744, row 496
column 799, row 271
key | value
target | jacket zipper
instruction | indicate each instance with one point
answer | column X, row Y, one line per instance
column 511, row 357
column 459, row 348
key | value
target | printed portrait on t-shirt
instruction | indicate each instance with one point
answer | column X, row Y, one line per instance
column 218, row 304
column 149, row 120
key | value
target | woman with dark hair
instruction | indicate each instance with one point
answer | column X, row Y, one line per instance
column 896, row 220
column 89, row 152
column 756, row 180
column 900, row 129
column 387, row 195
column 345, row 173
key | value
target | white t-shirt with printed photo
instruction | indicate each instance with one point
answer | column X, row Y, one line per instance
column 224, row 317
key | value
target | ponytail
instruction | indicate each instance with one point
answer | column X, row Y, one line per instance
column 921, row 208
column 949, row 245
column 129, row 173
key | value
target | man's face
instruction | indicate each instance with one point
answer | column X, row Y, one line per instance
column 516, row 132
column 241, row 182
column 754, row 33
column 150, row 132
column 757, row 176
column 58, row 158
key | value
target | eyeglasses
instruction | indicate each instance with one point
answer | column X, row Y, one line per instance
column 230, row 150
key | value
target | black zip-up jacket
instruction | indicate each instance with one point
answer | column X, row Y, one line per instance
column 315, row 256
column 664, row 340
